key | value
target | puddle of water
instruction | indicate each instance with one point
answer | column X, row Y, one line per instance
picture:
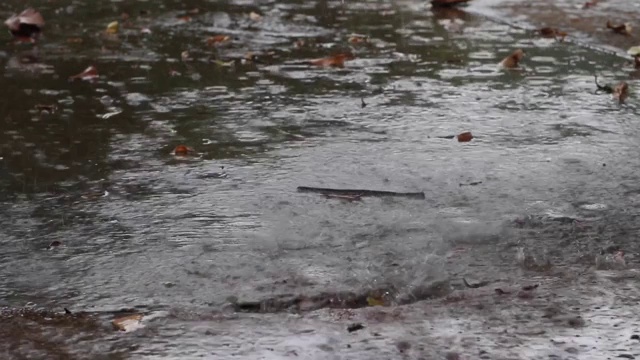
column 552, row 166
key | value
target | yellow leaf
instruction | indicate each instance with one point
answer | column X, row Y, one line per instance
column 112, row 28
column 371, row 301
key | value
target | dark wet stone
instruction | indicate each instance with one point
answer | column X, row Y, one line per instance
column 571, row 350
column 635, row 337
column 452, row 355
column 576, row 321
column 403, row 346
column 626, row 356
column 355, row 327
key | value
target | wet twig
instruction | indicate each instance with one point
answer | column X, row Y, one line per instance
column 360, row 192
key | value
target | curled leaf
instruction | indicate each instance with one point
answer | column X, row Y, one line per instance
column 183, row 150
column 465, row 137
column 212, row 40
column 513, row 60
column 127, row 323
column 621, row 92
column 27, row 25
column 54, row 244
column 89, row 73
column 333, row 61
column 623, row 29
column 112, row 28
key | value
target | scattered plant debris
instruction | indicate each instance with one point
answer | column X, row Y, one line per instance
column 621, row 92
column 90, row 73
column 26, row 26
column 465, row 137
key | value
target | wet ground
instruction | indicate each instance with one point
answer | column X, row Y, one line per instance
column 233, row 262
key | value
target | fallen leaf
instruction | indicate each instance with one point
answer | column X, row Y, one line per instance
column 183, row 150
column 145, row 31
column 371, row 301
column 89, row 73
column 299, row 43
column 634, row 51
column 194, row 11
column 212, row 40
column 549, row 32
column 621, row 92
column 223, row 63
column 333, row 61
column 185, row 56
column 623, row 29
column 112, row 28
column 173, row 73
column 127, row 323
column 184, row 18
column 255, row 16
column 26, row 26
column 513, row 60
column 590, row 4
column 54, row 244
column 46, row 108
column 358, row 39
column 74, row 40
column 465, row 137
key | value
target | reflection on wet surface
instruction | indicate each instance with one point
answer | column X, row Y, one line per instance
column 544, row 193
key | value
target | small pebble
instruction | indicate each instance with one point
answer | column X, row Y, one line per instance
column 635, row 337
column 452, row 355
column 355, row 327
column 403, row 346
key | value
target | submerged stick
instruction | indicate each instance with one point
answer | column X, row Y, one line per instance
column 359, row 192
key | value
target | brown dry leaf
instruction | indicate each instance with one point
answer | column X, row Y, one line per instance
column 193, row 11
column 184, row 18
column 46, row 108
column 359, row 39
column 621, row 92
column 465, row 137
column 549, row 32
column 217, row 39
column 183, row 150
column 255, row 16
column 333, row 61
column 623, row 29
column 590, row 4
column 89, row 73
column 127, row 323
column 513, row 60
column 76, row 40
